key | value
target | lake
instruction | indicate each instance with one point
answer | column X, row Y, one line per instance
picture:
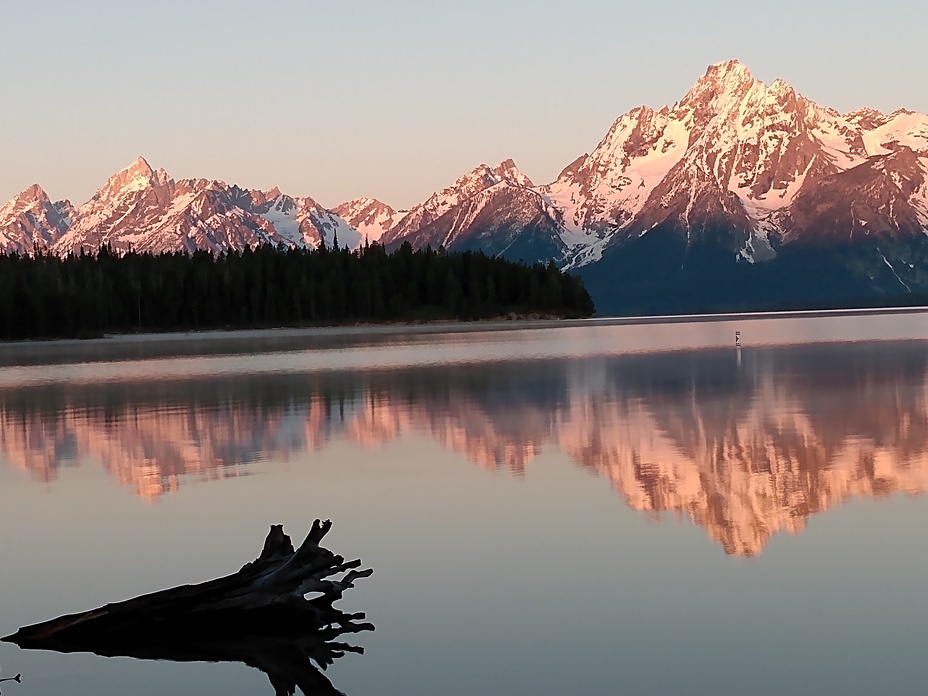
column 570, row 507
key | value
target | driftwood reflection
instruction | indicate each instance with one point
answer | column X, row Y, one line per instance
column 290, row 660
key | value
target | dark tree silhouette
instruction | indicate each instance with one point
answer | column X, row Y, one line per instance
column 44, row 296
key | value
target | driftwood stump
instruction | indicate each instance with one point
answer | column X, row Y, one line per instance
column 275, row 614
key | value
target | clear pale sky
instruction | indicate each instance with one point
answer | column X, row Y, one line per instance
column 396, row 99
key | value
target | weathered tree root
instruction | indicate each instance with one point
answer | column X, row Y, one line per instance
column 275, row 614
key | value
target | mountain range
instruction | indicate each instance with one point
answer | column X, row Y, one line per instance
column 740, row 195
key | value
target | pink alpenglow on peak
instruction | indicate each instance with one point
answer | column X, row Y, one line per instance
column 448, row 215
column 144, row 209
column 31, row 220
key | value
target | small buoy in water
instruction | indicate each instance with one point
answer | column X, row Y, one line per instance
column 737, row 339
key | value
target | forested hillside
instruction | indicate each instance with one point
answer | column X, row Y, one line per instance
column 44, row 296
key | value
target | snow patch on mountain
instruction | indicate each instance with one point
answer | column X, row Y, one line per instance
column 884, row 134
column 331, row 226
column 613, row 183
column 281, row 214
column 31, row 220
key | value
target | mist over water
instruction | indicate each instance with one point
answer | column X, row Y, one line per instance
column 546, row 510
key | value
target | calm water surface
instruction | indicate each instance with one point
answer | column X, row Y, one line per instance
column 591, row 507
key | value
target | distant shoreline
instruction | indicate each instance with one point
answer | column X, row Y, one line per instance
column 308, row 348
column 520, row 322
column 440, row 326
column 437, row 325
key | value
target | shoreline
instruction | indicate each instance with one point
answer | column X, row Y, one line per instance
column 426, row 326
column 357, row 346
column 217, row 342
column 431, row 326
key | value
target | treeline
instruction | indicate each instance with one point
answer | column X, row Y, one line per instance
column 44, row 296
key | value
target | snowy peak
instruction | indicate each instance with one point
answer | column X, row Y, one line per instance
column 139, row 167
column 138, row 176
column 119, row 213
column 508, row 171
column 33, row 194
column 370, row 217
column 494, row 209
column 732, row 155
column 723, row 84
column 30, row 219
column 728, row 73
column 143, row 209
column 732, row 72
column 26, row 199
column 748, row 137
column 283, row 204
column 482, row 178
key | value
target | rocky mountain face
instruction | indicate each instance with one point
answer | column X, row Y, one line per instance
column 740, row 195
column 495, row 209
column 733, row 153
column 146, row 210
column 31, row 220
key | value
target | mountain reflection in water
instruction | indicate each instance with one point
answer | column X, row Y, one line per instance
column 744, row 444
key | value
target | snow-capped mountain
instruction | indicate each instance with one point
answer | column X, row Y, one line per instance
column 32, row 220
column 475, row 182
column 146, row 210
column 734, row 153
column 495, row 209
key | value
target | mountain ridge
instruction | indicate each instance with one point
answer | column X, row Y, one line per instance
column 737, row 172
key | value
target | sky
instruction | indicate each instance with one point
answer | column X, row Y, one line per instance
column 394, row 100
